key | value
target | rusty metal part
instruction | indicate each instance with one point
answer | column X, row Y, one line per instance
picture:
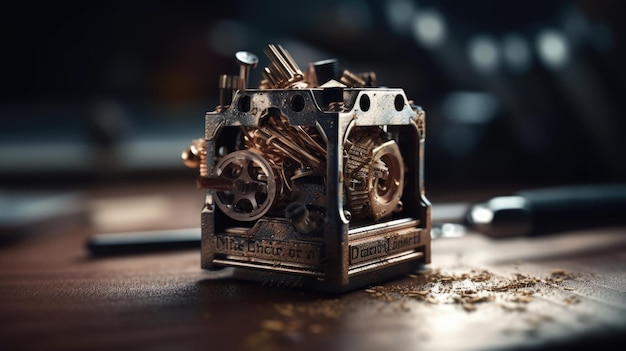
column 386, row 180
column 313, row 177
column 254, row 185
column 352, row 80
column 279, row 141
column 373, row 174
column 282, row 72
column 194, row 156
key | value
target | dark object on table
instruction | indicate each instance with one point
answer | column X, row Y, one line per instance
column 550, row 210
column 143, row 241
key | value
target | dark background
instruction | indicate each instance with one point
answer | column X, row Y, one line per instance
column 103, row 91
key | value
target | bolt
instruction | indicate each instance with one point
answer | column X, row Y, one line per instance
column 245, row 60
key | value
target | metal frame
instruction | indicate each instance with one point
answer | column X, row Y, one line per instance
column 347, row 255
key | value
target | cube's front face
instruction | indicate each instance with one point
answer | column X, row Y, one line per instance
column 316, row 187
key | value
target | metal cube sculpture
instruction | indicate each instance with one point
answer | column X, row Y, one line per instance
column 309, row 184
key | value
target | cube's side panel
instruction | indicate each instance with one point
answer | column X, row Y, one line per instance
column 402, row 243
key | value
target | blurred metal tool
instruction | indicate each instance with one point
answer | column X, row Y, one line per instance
column 550, row 210
column 109, row 244
column 448, row 220
column 534, row 212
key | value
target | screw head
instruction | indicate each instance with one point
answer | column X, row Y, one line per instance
column 246, row 58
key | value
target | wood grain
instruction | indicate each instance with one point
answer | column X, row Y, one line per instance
column 53, row 296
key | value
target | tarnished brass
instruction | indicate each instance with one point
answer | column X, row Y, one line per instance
column 312, row 180
column 374, row 174
column 282, row 72
column 195, row 155
column 352, row 80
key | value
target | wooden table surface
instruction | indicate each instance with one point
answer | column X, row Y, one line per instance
column 555, row 292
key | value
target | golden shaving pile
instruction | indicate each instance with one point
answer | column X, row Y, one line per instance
column 292, row 322
column 470, row 289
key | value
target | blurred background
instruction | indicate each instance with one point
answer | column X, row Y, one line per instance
column 516, row 92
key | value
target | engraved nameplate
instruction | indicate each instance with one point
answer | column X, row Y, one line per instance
column 384, row 245
column 295, row 252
